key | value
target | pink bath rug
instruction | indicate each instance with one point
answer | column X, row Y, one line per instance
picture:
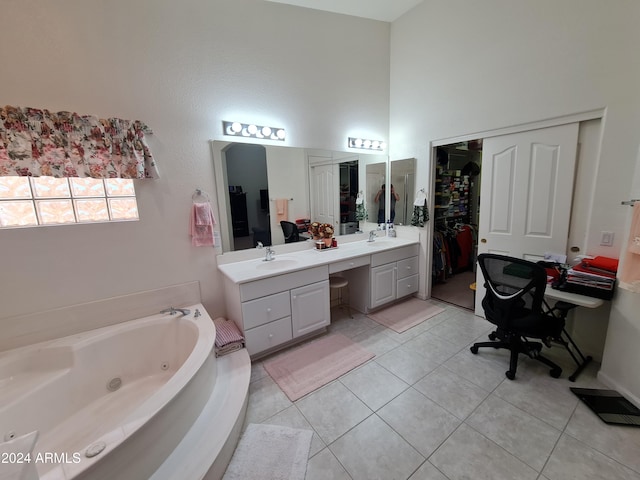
column 402, row 316
column 309, row 367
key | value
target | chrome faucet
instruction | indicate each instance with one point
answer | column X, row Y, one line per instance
column 173, row 311
column 372, row 236
column 270, row 254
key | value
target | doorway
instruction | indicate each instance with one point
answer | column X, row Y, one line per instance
column 456, row 218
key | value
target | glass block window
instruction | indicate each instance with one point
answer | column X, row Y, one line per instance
column 31, row 201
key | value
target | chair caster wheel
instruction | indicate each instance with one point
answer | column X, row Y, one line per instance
column 555, row 372
column 492, row 336
column 510, row 375
column 474, row 349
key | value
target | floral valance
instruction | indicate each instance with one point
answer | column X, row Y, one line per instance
column 36, row 142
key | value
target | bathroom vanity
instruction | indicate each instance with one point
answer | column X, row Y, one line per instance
column 280, row 302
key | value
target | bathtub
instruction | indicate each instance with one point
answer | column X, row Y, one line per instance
column 116, row 402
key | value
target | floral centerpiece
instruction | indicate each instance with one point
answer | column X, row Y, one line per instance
column 322, row 231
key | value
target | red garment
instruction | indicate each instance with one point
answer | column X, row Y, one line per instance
column 603, row 263
column 465, row 241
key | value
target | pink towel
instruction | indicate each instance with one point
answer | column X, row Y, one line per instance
column 201, row 225
column 226, row 332
column 282, row 210
column 630, row 271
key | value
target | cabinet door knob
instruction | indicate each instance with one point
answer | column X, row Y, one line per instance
column 483, row 240
column 268, row 309
column 351, row 264
column 295, row 296
column 271, row 335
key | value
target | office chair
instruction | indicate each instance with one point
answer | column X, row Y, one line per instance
column 514, row 303
column 290, row 231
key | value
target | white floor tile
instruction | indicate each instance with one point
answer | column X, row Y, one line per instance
column 373, row 451
column 374, row 385
column 325, row 466
column 419, row 421
column 452, row 392
column 523, row 435
column 574, row 459
column 469, row 455
column 428, row 472
column 407, row 365
column 292, row 418
column 332, row 411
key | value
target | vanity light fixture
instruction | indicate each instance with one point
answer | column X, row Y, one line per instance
column 365, row 144
column 251, row 130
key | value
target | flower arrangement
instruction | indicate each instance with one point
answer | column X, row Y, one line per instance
column 321, row 230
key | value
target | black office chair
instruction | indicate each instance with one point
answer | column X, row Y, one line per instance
column 290, row 231
column 514, row 303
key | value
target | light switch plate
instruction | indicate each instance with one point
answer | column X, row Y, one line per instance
column 606, row 239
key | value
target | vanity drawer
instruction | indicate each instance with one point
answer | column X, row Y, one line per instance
column 407, row 267
column 349, row 264
column 266, row 309
column 268, row 336
column 407, row 286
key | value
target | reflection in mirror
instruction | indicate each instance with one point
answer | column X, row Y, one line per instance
column 258, row 186
column 375, row 181
column 403, row 173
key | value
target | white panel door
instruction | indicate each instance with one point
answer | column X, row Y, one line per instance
column 526, row 192
column 323, row 194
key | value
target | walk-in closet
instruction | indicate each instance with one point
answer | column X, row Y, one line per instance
column 455, row 217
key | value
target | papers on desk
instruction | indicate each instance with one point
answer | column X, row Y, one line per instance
column 597, row 279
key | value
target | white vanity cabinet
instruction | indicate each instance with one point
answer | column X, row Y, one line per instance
column 275, row 310
column 394, row 274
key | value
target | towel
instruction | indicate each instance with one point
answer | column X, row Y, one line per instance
column 420, row 200
column 282, row 210
column 229, row 348
column 21, row 446
column 420, row 214
column 630, row 271
column 226, row 332
column 201, row 225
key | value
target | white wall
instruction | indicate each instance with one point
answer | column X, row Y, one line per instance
column 181, row 67
column 460, row 67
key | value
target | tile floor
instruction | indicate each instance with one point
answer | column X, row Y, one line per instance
column 425, row 408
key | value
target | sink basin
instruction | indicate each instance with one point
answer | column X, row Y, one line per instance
column 277, row 264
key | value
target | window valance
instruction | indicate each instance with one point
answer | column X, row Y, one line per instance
column 36, row 142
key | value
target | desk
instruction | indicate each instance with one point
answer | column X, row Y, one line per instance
column 565, row 302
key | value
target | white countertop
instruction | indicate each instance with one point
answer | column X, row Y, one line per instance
column 256, row 269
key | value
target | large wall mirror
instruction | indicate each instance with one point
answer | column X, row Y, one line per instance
column 260, row 186
column 403, row 182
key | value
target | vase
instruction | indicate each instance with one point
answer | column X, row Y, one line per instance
column 327, row 242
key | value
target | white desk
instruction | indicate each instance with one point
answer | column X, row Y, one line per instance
column 574, row 298
column 565, row 339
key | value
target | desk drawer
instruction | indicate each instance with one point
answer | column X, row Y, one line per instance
column 268, row 336
column 349, row 264
column 265, row 310
column 407, row 267
column 407, row 286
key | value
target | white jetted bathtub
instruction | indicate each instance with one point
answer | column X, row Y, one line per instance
column 122, row 402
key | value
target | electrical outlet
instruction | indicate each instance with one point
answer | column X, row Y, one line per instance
column 606, row 239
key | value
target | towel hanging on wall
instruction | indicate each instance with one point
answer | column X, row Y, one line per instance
column 420, row 210
column 201, row 222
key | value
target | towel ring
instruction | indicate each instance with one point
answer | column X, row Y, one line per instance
column 200, row 193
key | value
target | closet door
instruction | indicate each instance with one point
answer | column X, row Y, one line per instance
column 526, row 192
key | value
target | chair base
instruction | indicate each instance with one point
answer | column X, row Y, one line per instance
column 516, row 345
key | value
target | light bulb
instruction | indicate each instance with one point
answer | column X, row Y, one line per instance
column 375, row 145
column 236, row 127
column 252, row 129
column 358, row 142
column 266, row 131
column 367, row 144
column 280, row 134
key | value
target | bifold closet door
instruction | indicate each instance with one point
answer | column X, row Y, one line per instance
column 526, row 192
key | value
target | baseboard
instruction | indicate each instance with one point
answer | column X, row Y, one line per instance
column 614, row 385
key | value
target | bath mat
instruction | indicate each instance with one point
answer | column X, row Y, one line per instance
column 609, row 405
column 270, row 452
column 402, row 316
column 315, row 364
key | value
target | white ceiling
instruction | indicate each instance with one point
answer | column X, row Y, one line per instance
column 383, row 10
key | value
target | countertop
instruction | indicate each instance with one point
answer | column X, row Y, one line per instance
column 256, row 269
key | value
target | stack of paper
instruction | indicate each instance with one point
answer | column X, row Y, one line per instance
column 599, row 272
